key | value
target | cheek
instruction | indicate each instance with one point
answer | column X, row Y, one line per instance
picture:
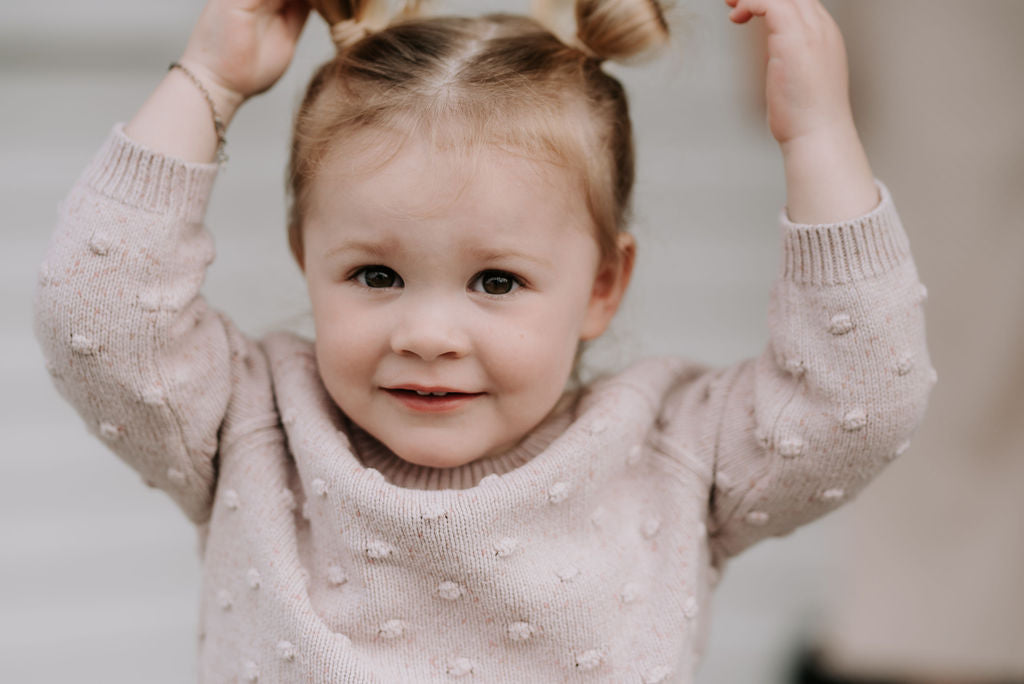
column 535, row 352
column 347, row 341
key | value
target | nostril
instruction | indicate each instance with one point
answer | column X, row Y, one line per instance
column 429, row 340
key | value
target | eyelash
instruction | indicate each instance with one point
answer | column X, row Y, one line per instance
column 359, row 277
column 517, row 282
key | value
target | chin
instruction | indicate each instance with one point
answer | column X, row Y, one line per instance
column 424, row 455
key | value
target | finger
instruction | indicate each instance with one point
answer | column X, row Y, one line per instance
column 295, row 14
column 740, row 16
column 731, row 3
column 779, row 15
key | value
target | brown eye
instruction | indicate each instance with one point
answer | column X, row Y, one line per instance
column 378, row 277
column 497, row 282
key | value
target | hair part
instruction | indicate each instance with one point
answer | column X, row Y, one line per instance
column 501, row 80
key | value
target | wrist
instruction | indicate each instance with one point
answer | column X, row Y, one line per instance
column 828, row 177
column 176, row 120
column 226, row 101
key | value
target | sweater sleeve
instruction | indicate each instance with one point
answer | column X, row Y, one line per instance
column 836, row 394
column 127, row 338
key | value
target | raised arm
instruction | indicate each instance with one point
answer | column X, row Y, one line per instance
column 828, row 177
column 844, row 379
column 839, row 389
column 127, row 337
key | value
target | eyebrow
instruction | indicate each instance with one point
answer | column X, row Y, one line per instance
column 377, row 249
column 494, row 254
column 386, row 248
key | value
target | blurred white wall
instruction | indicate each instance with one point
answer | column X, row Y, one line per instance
column 99, row 579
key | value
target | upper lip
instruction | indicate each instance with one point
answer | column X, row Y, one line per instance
column 428, row 388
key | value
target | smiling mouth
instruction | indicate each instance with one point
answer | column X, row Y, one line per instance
column 431, row 400
column 429, row 394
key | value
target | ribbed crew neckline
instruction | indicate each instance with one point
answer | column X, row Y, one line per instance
column 371, row 453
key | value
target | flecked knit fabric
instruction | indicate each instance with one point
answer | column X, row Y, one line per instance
column 587, row 553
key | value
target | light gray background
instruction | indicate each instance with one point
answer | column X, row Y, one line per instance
column 99, row 576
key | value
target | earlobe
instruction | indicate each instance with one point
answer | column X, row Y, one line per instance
column 610, row 285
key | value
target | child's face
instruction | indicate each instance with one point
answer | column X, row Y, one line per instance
column 434, row 273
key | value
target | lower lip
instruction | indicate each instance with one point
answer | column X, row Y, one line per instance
column 432, row 404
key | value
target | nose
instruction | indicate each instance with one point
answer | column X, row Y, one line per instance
column 430, row 332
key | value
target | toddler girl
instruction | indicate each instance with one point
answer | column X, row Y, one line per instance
column 415, row 496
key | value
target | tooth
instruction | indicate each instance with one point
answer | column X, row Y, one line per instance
column 439, row 394
column 423, row 394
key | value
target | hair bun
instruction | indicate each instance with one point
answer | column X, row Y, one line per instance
column 352, row 20
column 618, row 29
column 346, row 33
column 337, row 11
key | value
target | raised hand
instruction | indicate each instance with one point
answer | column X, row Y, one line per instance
column 239, row 48
column 807, row 93
column 242, row 47
column 806, row 82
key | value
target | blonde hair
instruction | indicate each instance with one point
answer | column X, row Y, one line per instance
column 499, row 79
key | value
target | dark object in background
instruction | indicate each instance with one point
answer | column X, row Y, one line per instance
column 808, row 668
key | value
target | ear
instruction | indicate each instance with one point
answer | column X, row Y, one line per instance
column 610, row 285
column 295, row 244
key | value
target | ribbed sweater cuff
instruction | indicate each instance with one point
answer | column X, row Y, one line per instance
column 126, row 171
column 837, row 253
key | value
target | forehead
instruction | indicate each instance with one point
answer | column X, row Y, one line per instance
column 384, row 178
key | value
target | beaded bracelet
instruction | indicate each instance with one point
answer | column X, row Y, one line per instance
column 218, row 123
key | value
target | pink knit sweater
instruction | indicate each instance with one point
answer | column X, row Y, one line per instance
column 587, row 553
